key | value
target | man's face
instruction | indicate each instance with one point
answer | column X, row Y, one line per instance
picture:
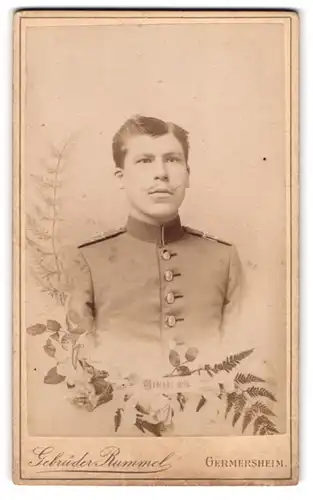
column 155, row 176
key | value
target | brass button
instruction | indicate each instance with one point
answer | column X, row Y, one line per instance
column 170, row 320
column 168, row 275
column 166, row 254
column 170, row 298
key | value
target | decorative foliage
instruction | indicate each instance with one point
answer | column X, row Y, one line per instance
column 257, row 408
column 180, row 369
column 230, row 400
column 263, row 425
column 138, row 424
column 118, row 419
column 241, row 378
column 191, row 353
column 42, row 226
column 53, row 377
column 237, row 400
column 181, row 400
column 53, row 325
column 174, row 358
column 102, row 387
column 37, row 329
column 155, row 429
column 229, row 363
column 244, row 395
column 254, row 392
column 201, row 403
column 49, row 348
column 258, row 411
column 140, row 409
column 239, row 405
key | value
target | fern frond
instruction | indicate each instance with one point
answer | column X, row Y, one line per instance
column 52, row 170
column 49, row 201
column 38, row 231
column 52, row 218
column 263, row 422
column 55, row 152
column 41, row 267
column 240, row 403
column 232, row 361
column 236, row 417
column 230, row 398
column 255, row 392
column 248, row 417
column 256, row 409
column 248, row 378
column 34, row 245
column 45, row 182
column 266, row 430
column 262, row 408
column 38, row 249
column 43, row 282
column 51, row 183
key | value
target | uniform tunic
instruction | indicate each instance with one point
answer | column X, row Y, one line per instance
column 143, row 292
column 149, row 285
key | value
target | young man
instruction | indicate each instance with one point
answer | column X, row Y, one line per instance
column 154, row 281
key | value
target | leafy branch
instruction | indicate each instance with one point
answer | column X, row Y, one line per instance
column 243, row 401
column 42, row 227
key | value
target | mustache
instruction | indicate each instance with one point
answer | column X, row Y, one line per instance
column 164, row 189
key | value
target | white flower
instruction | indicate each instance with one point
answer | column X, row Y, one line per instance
column 164, row 415
column 157, row 408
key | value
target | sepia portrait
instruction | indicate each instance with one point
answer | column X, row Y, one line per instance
column 155, row 247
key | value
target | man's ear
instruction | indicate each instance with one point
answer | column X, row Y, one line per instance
column 119, row 174
column 188, row 178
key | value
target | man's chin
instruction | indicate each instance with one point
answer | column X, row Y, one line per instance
column 162, row 212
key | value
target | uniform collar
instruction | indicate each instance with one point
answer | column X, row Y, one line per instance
column 166, row 233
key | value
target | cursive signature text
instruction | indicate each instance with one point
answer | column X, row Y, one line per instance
column 109, row 459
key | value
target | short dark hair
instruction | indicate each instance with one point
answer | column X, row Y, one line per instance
column 145, row 125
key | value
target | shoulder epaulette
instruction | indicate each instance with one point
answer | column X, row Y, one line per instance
column 103, row 236
column 207, row 236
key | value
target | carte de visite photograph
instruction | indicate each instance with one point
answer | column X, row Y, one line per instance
column 155, row 247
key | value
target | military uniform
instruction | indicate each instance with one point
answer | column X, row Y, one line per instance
column 155, row 284
column 146, row 290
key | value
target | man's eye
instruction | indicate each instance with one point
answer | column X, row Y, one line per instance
column 173, row 159
column 144, row 160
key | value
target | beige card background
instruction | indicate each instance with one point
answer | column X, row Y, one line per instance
column 226, row 79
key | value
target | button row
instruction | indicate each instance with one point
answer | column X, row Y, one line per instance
column 170, row 319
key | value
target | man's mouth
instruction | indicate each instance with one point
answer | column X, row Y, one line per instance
column 161, row 191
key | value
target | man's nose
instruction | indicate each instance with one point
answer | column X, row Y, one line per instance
column 161, row 171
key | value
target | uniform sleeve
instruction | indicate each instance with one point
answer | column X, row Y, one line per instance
column 234, row 291
column 80, row 299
